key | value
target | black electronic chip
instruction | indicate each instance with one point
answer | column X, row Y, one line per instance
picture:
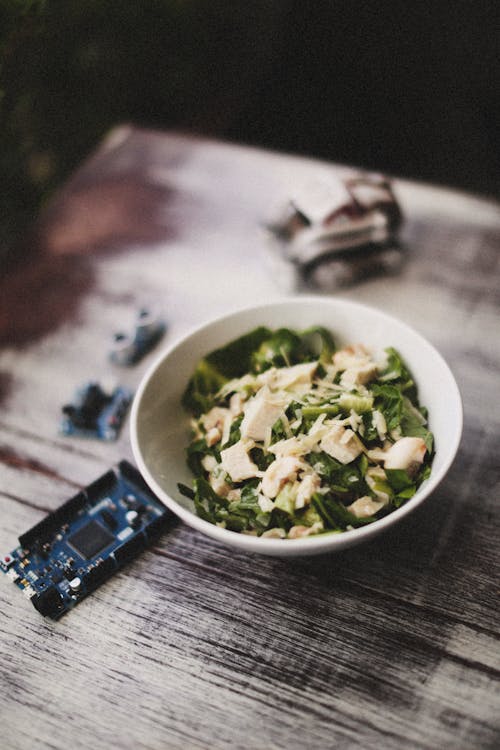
column 90, row 539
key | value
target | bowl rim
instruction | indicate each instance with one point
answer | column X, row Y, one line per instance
column 326, row 542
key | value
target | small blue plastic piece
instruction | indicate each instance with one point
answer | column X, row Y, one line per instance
column 95, row 413
column 129, row 349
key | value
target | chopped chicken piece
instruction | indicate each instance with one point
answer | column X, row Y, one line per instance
column 351, row 356
column 317, row 424
column 213, row 436
column 297, row 532
column 291, row 447
column 241, row 385
column 285, row 377
column 265, row 504
column 261, row 412
column 236, row 403
column 365, row 506
column 379, row 423
column 237, row 463
column 379, row 454
column 396, row 433
column 219, row 485
column 341, row 444
column 307, row 487
column 209, row 462
column 214, row 418
column 358, row 374
column 226, row 431
column 278, row 473
column 275, row 533
column 355, row 420
column 234, row 494
column 407, row 453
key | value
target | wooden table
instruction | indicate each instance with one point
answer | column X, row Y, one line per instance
column 390, row 645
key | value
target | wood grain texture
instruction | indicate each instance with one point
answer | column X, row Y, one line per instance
column 391, row 645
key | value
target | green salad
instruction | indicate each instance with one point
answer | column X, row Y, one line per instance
column 292, row 436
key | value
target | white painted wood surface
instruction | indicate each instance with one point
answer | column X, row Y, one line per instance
column 391, row 645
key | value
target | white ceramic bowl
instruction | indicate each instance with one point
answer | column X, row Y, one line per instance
column 160, row 427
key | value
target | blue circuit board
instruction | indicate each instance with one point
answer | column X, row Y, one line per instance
column 76, row 548
column 96, row 413
column 128, row 349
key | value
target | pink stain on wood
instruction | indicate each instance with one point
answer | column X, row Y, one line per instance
column 103, row 208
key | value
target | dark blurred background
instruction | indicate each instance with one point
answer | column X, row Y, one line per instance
column 409, row 88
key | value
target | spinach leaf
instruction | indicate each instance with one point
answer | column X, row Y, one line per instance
column 233, row 521
column 278, row 431
column 195, row 452
column 370, row 434
column 281, row 349
column 399, row 479
column 185, row 490
column 203, row 385
column 307, row 516
column 280, row 519
column 261, row 458
column 318, row 344
column 424, row 473
column 411, row 425
column 389, row 400
column 234, row 432
column 313, row 412
column 323, row 464
column 221, row 365
column 206, row 500
column 344, row 479
column 234, row 359
column 254, row 352
column 402, row 484
column 396, row 369
column 335, row 515
column 250, row 496
column 397, row 373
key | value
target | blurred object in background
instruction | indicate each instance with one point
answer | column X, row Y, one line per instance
column 329, row 215
column 336, row 230
column 405, row 89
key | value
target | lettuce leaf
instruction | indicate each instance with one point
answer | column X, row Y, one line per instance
column 398, row 479
column 335, row 515
column 318, row 344
column 396, row 369
column 254, row 352
column 203, row 385
column 206, row 500
column 389, row 400
column 346, row 480
column 221, row 365
column 413, row 426
column 281, row 349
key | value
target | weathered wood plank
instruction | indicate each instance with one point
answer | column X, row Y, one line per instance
column 28, row 460
column 289, row 649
